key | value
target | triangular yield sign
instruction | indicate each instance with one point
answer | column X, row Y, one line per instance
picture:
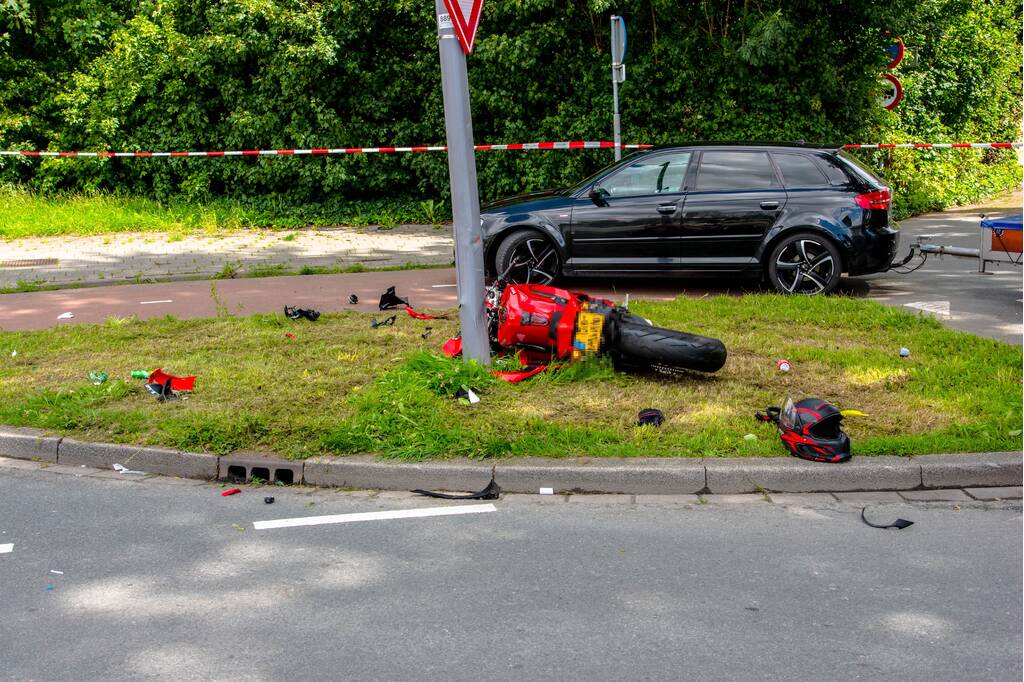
column 465, row 15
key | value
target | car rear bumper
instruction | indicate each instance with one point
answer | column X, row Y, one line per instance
column 874, row 252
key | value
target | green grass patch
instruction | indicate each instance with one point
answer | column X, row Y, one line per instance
column 341, row 387
column 24, row 213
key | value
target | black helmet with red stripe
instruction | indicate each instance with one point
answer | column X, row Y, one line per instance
column 813, row 429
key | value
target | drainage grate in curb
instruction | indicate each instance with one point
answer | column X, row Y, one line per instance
column 28, row 263
column 244, row 469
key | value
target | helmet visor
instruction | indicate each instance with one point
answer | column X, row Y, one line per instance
column 787, row 418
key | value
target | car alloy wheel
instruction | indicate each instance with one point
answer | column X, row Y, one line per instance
column 805, row 265
column 533, row 260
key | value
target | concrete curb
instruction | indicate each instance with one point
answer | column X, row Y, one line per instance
column 637, row 476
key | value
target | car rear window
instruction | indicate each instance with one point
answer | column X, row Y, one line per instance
column 799, row 170
column 735, row 171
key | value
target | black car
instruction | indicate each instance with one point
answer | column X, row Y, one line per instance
column 799, row 215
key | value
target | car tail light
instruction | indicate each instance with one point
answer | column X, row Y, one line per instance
column 879, row 200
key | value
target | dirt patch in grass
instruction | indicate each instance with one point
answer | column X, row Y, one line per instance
column 341, row 387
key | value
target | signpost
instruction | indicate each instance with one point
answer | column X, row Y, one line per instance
column 460, row 18
column 618, row 76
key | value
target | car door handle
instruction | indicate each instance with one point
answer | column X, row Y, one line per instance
column 769, row 205
column 667, row 209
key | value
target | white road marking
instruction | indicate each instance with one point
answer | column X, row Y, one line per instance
column 442, row 286
column 9, row 547
column 374, row 516
column 151, row 302
column 933, row 307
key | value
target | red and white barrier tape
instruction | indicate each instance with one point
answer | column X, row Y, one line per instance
column 522, row 146
column 937, row 145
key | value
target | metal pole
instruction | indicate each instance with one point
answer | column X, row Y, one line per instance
column 616, row 128
column 469, row 252
column 615, row 117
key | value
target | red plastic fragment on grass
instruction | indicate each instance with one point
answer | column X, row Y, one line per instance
column 177, row 383
column 452, row 347
column 522, row 375
column 290, row 335
column 423, row 316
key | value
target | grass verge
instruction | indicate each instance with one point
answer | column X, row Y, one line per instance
column 24, row 213
column 341, row 387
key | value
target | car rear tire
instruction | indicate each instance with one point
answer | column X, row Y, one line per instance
column 532, row 256
column 806, row 264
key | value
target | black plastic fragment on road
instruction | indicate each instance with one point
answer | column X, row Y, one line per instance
column 353, row 299
column 491, row 492
column 389, row 300
column 898, row 524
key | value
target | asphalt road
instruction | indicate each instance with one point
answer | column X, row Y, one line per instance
column 985, row 304
column 166, row 579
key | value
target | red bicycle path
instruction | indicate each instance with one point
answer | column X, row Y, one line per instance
column 425, row 289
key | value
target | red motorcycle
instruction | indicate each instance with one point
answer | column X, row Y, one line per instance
column 545, row 324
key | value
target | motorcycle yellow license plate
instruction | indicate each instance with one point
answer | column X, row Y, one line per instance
column 588, row 333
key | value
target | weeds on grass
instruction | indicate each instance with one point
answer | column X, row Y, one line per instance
column 229, row 271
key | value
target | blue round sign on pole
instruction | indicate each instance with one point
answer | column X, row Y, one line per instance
column 895, row 52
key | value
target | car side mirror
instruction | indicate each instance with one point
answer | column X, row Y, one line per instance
column 597, row 195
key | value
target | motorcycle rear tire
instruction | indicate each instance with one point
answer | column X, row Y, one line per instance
column 638, row 346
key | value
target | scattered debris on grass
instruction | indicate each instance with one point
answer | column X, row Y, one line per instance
column 650, row 416
column 784, row 365
column 390, row 300
column 904, row 352
column 98, row 378
column 386, row 322
column 466, row 396
column 293, row 313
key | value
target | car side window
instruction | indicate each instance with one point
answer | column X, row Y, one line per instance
column 729, row 170
column 662, row 174
column 799, row 170
column 837, row 177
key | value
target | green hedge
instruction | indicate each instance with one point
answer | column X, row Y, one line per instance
column 175, row 74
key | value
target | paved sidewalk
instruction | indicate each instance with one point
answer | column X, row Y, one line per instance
column 148, row 256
